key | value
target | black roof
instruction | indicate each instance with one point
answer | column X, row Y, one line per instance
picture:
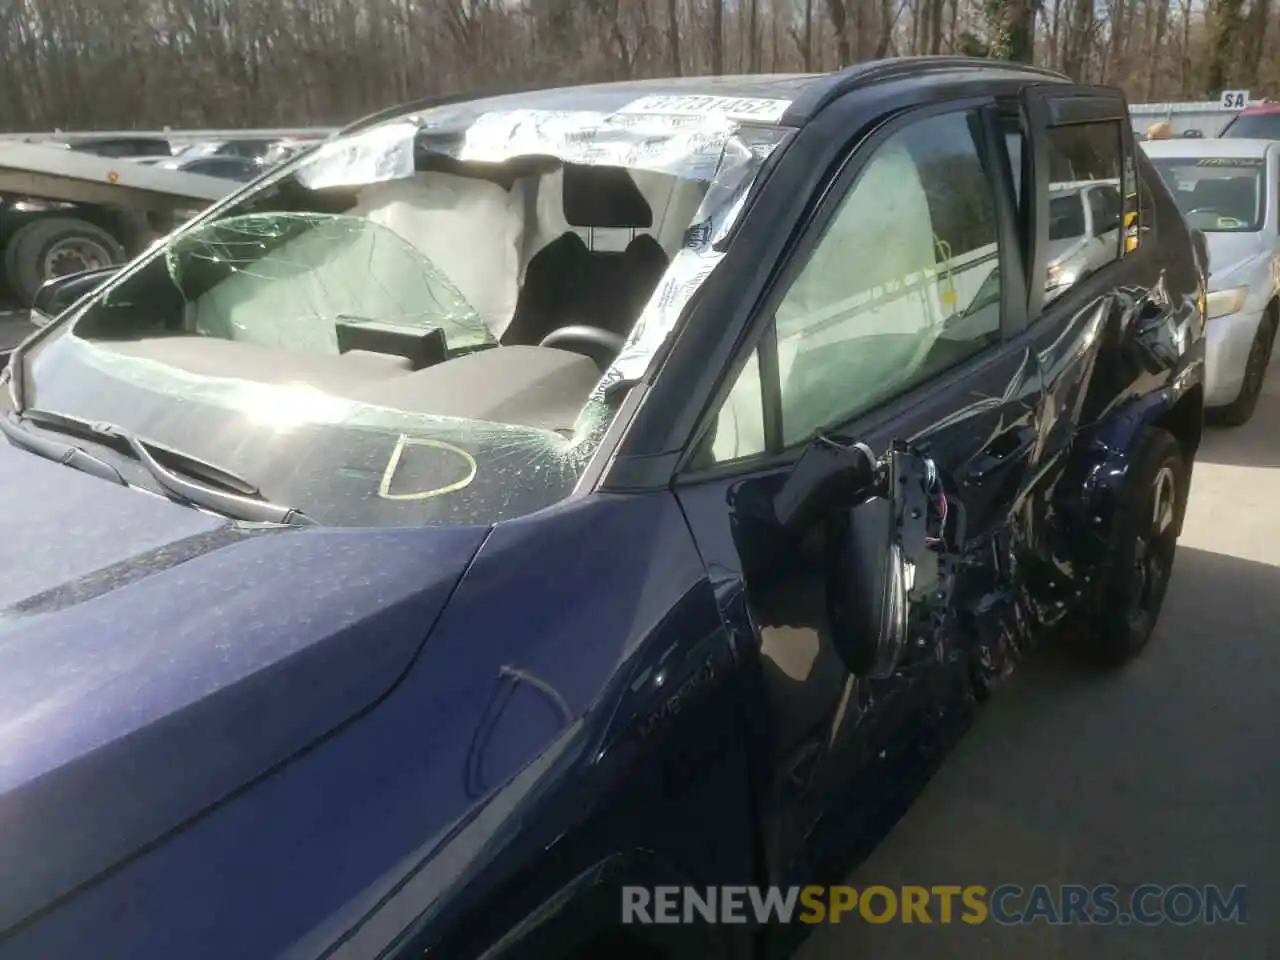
column 808, row 93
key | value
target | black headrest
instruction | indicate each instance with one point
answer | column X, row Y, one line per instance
column 604, row 197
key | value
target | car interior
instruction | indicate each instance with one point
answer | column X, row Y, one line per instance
column 1232, row 197
column 495, row 292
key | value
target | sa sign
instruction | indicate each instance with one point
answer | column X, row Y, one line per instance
column 1234, row 99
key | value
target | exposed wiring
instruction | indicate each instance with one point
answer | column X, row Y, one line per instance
column 933, row 483
column 942, row 521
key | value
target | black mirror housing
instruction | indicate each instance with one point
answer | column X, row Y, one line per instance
column 879, row 521
column 59, row 293
column 834, row 473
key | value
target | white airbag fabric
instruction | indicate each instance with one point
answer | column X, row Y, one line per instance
column 472, row 230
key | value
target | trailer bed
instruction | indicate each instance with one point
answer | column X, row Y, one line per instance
column 56, row 173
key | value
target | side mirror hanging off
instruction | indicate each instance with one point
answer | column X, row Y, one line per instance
column 879, row 562
column 58, row 293
column 875, row 516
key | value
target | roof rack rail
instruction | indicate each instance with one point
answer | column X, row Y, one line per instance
column 875, row 71
column 895, row 66
column 442, row 100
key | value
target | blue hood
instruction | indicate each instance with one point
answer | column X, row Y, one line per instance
column 154, row 659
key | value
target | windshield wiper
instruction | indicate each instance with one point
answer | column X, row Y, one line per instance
column 64, row 453
column 117, row 438
column 209, row 486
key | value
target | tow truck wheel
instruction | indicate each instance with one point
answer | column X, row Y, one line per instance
column 53, row 246
column 1144, row 539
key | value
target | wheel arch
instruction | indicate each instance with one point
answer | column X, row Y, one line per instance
column 1113, row 442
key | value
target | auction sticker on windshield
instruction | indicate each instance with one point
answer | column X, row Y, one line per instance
column 1244, row 162
column 760, row 110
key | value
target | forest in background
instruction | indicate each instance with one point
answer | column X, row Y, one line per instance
column 119, row 64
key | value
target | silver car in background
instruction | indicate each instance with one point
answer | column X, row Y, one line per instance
column 1227, row 189
column 1084, row 230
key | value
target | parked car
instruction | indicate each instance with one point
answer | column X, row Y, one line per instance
column 227, row 166
column 283, row 150
column 131, row 147
column 1258, row 122
column 248, row 148
column 519, row 498
column 1084, row 229
column 1227, row 188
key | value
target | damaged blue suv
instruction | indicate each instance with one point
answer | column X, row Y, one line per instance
column 517, row 499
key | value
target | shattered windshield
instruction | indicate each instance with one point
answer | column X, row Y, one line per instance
column 428, row 321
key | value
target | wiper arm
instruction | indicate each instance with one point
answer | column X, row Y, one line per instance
column 64, row 453
column 242, row 501
column 235, row 505
column 118, row 439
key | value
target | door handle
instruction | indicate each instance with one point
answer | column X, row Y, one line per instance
column 1004, row 449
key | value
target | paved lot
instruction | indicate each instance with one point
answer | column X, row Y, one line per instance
column 1167, row 772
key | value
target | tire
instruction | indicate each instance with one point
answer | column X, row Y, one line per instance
column 1240, row 410
column 27, row 254
column 1144, row 540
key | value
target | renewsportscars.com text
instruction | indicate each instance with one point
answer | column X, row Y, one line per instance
column 1066, row 904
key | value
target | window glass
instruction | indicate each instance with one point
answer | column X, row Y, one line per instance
column 739, row 428
column 1085, row 203
column 247, row 150
column 358, row 339
column 227, row 167
column 1218, row 194
column 1261, row 126
column 1104, row 203
column 903, row 285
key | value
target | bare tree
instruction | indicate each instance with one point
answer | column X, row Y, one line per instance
column 149, row 63
column 1224, row 35
column 839, row 15
column 673, row 37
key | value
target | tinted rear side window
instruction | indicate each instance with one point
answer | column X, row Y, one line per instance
column 1263, row 126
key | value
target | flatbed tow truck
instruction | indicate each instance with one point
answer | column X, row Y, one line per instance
column 63, row 211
